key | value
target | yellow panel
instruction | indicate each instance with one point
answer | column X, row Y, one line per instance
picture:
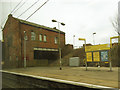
column 96, row 56
column 89, row 57
column 106, row 62
column 97, row 47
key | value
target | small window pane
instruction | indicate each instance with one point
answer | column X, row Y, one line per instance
column 56, row 40
column 33, row 35
column 25, row 37
column 45, row 38
column 40, row 37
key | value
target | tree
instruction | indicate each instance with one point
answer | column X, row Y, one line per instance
column 116, row 25
column 116, row 22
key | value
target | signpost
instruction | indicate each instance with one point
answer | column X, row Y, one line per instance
column 110, row 61
column 85, row 55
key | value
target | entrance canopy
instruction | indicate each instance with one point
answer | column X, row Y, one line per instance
column 46, row 53
column 45, row 49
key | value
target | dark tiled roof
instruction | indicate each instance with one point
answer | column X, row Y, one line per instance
column 39, row 26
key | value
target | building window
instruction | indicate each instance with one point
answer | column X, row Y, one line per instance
column 45, row 38
column 25, row 37
column 56, row 40
column 33, row 35
column 40, row 37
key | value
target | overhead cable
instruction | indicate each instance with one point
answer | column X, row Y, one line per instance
column 16, row 6
column 37, row 9
column 19, row 8
column 11, row 12
column 28, row 8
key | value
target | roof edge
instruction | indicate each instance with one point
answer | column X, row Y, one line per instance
column 36, row 25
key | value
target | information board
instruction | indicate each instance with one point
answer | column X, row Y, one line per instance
column 104, row 55
column 89, row 56
column 96, row 56
column 97, row 47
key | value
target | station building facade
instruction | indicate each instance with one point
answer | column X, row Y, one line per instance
column 41, row 41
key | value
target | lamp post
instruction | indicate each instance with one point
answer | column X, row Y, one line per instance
column 93, row 38
column 59, row 41
column 85, row 54
column 24, row 49
column 73, row 41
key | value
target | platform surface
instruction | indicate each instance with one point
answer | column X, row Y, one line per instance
column 97, row 76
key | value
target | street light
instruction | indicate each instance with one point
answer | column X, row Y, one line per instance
column 85, row 54
column 93, row 38
column 54, row 20
column 25, row 49
column 73, row 41
column 59, row 41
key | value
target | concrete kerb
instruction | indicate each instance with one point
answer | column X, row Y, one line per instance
column 61, row 81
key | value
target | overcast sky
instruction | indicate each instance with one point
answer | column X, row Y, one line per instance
column 82, row 17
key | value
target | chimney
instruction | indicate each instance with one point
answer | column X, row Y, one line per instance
column 54, row 28
column 10, row 15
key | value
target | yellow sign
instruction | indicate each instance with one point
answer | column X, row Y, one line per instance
column 89, row 56
column 106, row 62
column 97, row 47
column 96, row 56
column 81, row 39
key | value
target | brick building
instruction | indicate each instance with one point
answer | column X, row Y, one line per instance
column 41, row 41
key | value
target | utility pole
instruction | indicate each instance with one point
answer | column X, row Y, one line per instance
column 24, row 49
column 85, row 53
column 59, row 48
column 85, row 56
column 59, row 42
column 73, row 41
column 94, row 38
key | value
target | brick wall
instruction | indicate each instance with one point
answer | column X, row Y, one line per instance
column 13, row 35
column 31, row 44
column 12, row 40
